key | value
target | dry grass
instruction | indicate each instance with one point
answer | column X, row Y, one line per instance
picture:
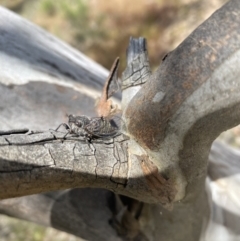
column 101, row 29
column 12, row 229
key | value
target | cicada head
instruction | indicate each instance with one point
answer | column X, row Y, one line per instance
column 77, row 123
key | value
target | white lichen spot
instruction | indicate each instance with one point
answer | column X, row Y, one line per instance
column 158, row 97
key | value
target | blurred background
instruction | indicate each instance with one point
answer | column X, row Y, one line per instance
column 101, row 30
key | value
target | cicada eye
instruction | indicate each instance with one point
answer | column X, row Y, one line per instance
column 71, row 118
column 79, row 123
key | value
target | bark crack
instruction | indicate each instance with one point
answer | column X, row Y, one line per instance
column 50, row 153
column 94, row 154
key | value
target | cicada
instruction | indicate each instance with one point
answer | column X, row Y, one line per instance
column 99, row 127
column 93, row 127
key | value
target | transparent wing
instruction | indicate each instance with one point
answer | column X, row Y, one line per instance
column 104, row 126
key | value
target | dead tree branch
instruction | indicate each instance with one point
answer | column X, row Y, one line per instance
column 171, row 118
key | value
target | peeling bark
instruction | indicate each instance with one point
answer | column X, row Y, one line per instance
column 33, row 163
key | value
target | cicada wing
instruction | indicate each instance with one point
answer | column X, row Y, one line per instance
column 104, row 126
column 116, row 122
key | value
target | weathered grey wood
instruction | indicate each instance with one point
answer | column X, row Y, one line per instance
column 172, row 120
column 50, row 208
column 42, row 79
column 33, row 163
column 102, row 163
column 223, row 185
column 41, row 56
column 82, row 212
column 138, row 70
column 40, row 102
column 181, row 109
